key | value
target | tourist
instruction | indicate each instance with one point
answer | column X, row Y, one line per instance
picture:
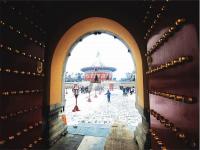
column 108, row 95
column 124, row 92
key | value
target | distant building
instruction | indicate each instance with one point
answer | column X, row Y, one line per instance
column 97, row 72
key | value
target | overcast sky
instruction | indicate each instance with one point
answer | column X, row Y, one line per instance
column 113, row 53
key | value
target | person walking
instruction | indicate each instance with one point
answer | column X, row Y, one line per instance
column 124, row 91
column 108, row 95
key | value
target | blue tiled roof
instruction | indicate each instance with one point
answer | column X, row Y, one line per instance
column 86, row 69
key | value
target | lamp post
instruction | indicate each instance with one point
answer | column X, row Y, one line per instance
column 76, row 92
column 89, row 90
column 95, row 90
column 100, row 89
column 89, row 99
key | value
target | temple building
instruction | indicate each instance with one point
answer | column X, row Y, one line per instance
column 98, row 72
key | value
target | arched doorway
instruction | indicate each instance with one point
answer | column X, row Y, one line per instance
column 81, row 28
column 75, row 32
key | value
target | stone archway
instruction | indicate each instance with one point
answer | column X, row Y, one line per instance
column 90, row 25
column 76, row 31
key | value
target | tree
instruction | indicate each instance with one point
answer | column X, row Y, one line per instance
column 73, row 77
column 129, row 77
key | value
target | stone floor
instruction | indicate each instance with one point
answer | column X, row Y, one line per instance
column 100, row 125
column 120, row 138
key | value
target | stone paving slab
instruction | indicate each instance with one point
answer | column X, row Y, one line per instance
column 92, row 143
column 97, row 130
column 120, row 138
column 68, row 142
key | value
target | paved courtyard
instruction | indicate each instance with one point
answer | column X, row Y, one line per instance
column 100, row 112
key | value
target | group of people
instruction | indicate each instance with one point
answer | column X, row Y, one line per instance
column 84, row 89
column 127, row 90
